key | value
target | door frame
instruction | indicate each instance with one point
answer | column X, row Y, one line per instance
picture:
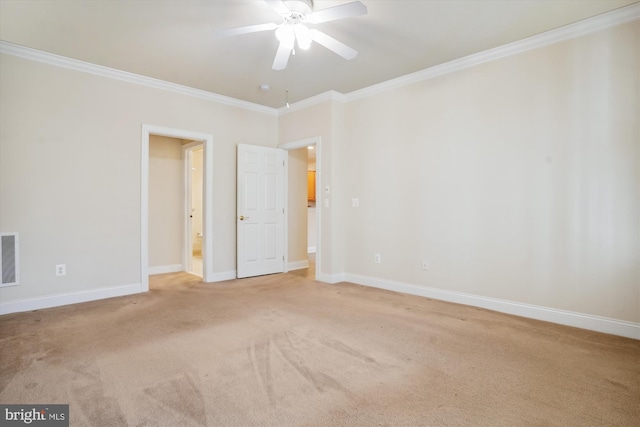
column 187, row 157
column 294, row 145
column 207, row 202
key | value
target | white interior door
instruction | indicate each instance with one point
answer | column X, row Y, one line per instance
column 260, row 210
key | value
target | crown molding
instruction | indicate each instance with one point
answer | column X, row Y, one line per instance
column 99, row 70
column 580, row 28
column 330, row 95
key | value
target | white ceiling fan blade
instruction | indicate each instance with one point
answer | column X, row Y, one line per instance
column 244, row 30
column 278, row 6
column 355, row 8
column 282, row 56
column 334, row 45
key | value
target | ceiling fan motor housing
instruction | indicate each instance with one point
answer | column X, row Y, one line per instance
column 302, row 6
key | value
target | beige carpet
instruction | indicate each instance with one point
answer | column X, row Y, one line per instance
column 283, row 350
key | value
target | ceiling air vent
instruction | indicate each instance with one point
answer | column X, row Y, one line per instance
column 9, row 257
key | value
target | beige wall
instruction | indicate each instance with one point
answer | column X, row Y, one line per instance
column 166, row 201
column 70, row 172
column 297, row 217
column 517, row 179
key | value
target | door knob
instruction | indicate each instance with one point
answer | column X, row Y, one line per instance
column 242, row 218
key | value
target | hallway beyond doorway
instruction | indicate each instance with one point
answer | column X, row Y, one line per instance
column 307, row 273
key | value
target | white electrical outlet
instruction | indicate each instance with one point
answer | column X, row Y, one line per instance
column 61, row 270
column 377, row 258
column 425, row 264
column 355, row 203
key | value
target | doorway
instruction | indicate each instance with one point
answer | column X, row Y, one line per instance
column 206, row 141
column 311, row 207
column 313, row 260
column 193, row 155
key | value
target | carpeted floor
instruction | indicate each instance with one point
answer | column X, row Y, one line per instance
column 284, row 350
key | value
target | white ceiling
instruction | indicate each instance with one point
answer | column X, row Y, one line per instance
column 173, row 41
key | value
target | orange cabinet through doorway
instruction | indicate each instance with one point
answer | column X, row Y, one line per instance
column 311, row 185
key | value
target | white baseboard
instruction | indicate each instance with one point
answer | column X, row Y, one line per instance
column 332, row 279
column 568, row 318
column 163, row 269
column 311, row 250
column 216, row 277
column 298, row 265
column 225, row 275
column 69, row 298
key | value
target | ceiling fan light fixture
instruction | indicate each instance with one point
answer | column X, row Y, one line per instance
column 286, row 36
column 303, row 36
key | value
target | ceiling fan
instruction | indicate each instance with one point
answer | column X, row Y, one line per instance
column 293, row 30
